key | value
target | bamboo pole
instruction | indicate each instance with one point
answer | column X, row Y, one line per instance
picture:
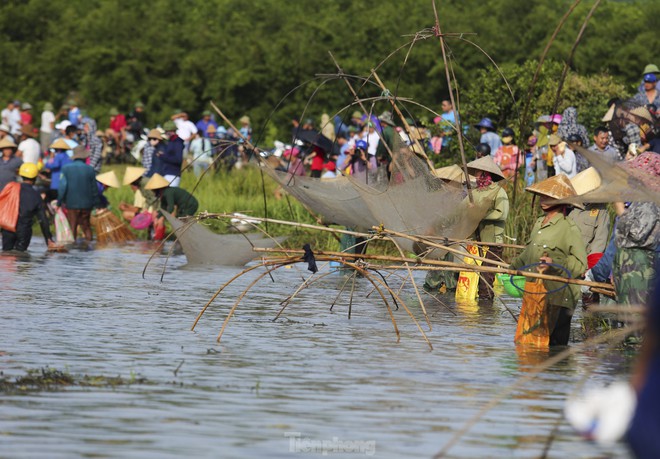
column 417, row 263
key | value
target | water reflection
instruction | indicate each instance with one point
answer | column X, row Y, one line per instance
column 313, row 371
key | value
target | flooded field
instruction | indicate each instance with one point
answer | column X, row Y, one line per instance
column 310, row 384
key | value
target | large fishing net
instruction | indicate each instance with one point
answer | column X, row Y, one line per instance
column 412, row 200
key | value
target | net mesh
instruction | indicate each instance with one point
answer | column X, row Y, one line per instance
column 412, row 200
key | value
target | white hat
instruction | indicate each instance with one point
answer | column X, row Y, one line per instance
column 63, row 125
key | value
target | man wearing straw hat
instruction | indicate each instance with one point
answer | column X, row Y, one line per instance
column 9, row 163
column 555, row 241
column 30, row 205
column 133, row 178
column 174, row 200
column 78, row 192
column 29, row 150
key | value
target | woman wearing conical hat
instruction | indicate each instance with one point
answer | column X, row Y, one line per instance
column 556, row 239
column 491, row 228
column 9, row 162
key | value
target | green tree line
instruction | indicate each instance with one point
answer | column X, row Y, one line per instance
column 246, row 56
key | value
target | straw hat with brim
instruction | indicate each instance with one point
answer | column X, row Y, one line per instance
column 210, row 129
column 5, row 128
column 27, row 130
column 557, row 187
column 650, row 68
column 60, row 144
column 155, row 134
column 156, row 182
column 610, row 114
column 553, row 140
column 132, row 174
column 80, row 153
column 486, row 164
column 453, row 173
column 642, row 112
column 108, row 179
column 586, row 181
column 244, row 120
column 6, row 143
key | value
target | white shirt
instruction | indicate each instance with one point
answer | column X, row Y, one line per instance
column 372, row 142
column 47, row 118
column 565, row 164
column 185, row 128
column 31, row 150
column 15, row 121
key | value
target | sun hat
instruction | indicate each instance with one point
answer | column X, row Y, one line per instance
column 586, row 181
column 642, row 112
column 7, row 143
column 61, row 126
column 139, row 104
column 609, row 114
column 109, row 179
column 556, row 118
column 26, row 106
column 60, row 144
column 386, row 117
column 651, row 68
column 79, row 152
column 132, row 173
column 169, row 126
column 544, row 119
column 206, row 113
column 650, row 78
column 5, row 128
column 244, row 119
column 156, row 182
column 48, row 107
column 27, row 130
column 357, row 114
column 486, row 123
column 486, row 164
column 557, row 187
column 155, row 134
column 113, row 112
column 453, row 173
column 553, row 140
column 210, row 129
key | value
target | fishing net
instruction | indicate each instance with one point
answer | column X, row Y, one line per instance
column 412, row 200
column 203, row 247
column 532, row 326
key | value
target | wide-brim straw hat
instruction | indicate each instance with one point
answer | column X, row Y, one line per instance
column 553, row 140
column 210, row 129
column 108, row 179
column 557, row 187
column 7, row 143
column 586, row 181
column 155, row 134
column 80, row 152
column 156, row 182
column 610, row 114
column 133, row 173
column 486, row 164
column 452, row 173
column 244, row 120
column 60, row 144
column 642, row 112
column 5, row 128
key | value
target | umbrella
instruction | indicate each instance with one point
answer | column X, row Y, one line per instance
column 315, row 138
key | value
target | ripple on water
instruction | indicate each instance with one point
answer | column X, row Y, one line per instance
column 312, row 371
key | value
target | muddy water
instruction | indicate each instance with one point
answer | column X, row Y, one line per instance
column 311, row 380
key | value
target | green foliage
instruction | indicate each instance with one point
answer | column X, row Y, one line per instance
column 247, row 57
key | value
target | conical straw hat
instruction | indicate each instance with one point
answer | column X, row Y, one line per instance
column 156, row 182
column 453, row 173
column 109, row 179
column 60, row 144
column 132, row 174
column 558, row 187
column 486, row 164
column 7, row 143
column 586, row 181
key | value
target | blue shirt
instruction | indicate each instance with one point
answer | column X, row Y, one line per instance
column 448, row 120
column 202, row 126
column 74, row 116
column 55, row 165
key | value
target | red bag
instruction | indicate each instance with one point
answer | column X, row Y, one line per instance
column 9, row 198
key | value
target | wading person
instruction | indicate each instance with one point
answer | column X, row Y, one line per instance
column 491, row 227
column 57, row 160
column 9, row 163
column 174, row 200
column 556, row 240
column 30, row 205
column 78, row 192
column 133, row 178
column 170, row 157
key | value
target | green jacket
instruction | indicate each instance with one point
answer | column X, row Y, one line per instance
column 185, row 203
column 387, row 138
column 561, row 239
column 594, row 224
column 491, row 228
